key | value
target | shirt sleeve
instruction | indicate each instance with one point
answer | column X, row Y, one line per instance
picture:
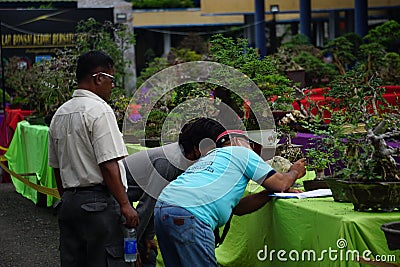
column 107, row 139
column 257, row 169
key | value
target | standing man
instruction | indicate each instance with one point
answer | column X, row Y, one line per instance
column 84, row 148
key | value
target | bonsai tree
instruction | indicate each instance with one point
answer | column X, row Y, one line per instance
column 276, row 88
column 366, row 153
column 376, row 52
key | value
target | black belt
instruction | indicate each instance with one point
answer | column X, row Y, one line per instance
column 98, row 188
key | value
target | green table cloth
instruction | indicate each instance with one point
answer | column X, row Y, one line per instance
column 27, row 153
column 306, row 232
column 133, row 148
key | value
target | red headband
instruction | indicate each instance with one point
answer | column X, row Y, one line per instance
column 228, row 132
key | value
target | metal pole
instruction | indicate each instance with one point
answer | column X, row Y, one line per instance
column 305, row 18
column 361, row 17
column 261, row 43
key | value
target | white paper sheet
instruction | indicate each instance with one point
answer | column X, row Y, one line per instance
column 307, row 194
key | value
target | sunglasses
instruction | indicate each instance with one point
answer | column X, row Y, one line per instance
column 112, row 78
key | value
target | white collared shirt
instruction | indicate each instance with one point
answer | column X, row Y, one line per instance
column 84, row 133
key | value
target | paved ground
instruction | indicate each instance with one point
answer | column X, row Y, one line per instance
column 28, row 233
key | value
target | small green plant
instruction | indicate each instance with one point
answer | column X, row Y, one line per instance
column 328, row 145
column 7, row 98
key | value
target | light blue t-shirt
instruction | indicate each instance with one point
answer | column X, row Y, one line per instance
column 213, row 186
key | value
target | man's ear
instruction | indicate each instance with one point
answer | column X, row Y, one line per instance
column 97, row 79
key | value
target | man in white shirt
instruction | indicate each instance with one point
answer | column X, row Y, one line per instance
column 84, row 148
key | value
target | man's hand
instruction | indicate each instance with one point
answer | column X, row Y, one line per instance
column 150, row 245
column 138, row 262
column 299, row 167
column 294, row 190
column 131, row 216
column 112, row 179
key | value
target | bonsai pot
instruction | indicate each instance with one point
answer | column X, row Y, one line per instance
column 392, row 234
column 341, row 191
column 315, row 184
column 35, row 119
column 149, row 142
column 375, row 195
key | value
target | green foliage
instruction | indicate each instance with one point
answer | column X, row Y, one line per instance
column 141, row 4
column 194, row 42
column 234, row 53
column 44, row 86
column 317, row 71
column 329, row 147
column 154, row 123
column 263, row 72
column 7, row 98
column 48, row 84
column 364, row 153
column 390, row 71
column 350, row 50
column 342, row 50
column 113, row 39
column 384, row 34
column 356, row 96
column 176, row 56
column 153, row 67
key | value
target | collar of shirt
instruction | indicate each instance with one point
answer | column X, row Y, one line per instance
column 86, row 93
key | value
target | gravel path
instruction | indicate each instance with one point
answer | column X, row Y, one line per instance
column 29, row 234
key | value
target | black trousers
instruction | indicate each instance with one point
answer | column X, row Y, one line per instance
column 91, row 233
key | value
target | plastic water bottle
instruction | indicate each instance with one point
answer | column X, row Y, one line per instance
column 130, row 245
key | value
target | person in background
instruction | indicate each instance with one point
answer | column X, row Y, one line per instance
column 149, row 171
column 84, row 148
column 203, row 197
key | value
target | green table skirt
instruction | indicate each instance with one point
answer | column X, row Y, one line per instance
column 28, row 153
column 307, row 232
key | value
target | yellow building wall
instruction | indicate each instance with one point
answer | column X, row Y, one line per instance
column 184, row 17
column 215, row 12
column 245, row 6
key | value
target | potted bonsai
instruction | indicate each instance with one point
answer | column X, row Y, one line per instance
column 368, row 163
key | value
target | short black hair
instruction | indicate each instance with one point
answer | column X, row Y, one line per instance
column 90, row 61
column 195, row 131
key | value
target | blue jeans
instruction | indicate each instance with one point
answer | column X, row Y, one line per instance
column 184, row 240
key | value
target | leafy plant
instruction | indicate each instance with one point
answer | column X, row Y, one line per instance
column 366, row 154
column 318, row 73
column 235, row 53
column 328, row 147
column 49, row 83
column 7, row 96
column 342, row 50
